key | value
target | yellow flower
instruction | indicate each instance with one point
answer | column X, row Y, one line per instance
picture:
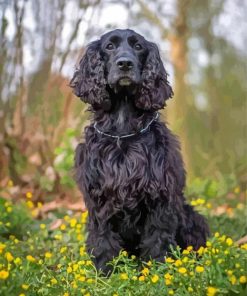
column 90, row 281
column 149, row 263
column 89, row 262
column 82, row 278
column 30, row 204
column 240, row 206
column 142, row 278
column 2, row 247
column 53, row 281
column 134, row 278
column 198, row 202
column 222, row 238
column 48, row 255
column 69, row 269
column 39, row 204
column 123, row 276
column 30, row 258
column 208, row 244
column 178, row 262
column 124, row 253
column 4, row 274
column 22, row 294
column 155, row 278
column 25, row 287
column 168, row 276
column 115, row 294
column 185, row 252
column 169, row 260
column 9, row 209
column 58, row 236
column 170, row 292
column 185, row 259
column 211, row 291
column 84, row 217
column 168, row 282
column 233, row 279
column 73, row 222
column 133, row 257
column 243, row 279
column 189, row 248
column 145, row 271
column 216, row 234
column 182, row 270
column 199, row 269
column 62, row 227
column 193, row 203
column 66, row 294
column 215, row 250
column 29, row 195
column 9, row 257
column 63, row 249
column 200, row 251
column 10, row 183
column 17, row 261
column 236, row 190
column 78, row 227
column 190, row 289
column 82, row 251
column 42, row 226
column 229, row 241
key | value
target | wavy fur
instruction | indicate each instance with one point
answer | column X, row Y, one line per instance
column 133, row 188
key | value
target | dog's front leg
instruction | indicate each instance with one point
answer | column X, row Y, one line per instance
column 103, row 244
column 159, row 233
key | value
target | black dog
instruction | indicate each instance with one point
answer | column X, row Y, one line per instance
column 130, row 168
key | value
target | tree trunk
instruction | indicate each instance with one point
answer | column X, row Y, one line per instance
column 178, row 107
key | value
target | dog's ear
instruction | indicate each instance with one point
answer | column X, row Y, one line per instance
column 89, row 82
column 155, row 88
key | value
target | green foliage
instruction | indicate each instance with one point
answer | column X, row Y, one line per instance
column 35, row 260
column 14, row 220
column 210, row 188
column 65, row 158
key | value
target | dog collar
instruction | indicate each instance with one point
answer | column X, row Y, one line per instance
column 142, row 131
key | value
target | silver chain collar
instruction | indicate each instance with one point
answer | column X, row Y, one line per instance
column 142, row 131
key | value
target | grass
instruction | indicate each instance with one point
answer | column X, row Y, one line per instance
column 37, row 258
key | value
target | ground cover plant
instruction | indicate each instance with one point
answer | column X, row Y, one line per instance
column 48, row 257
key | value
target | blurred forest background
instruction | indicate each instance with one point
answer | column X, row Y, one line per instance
column 203, row 46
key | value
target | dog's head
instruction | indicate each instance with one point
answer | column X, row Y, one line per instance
column 122, row 61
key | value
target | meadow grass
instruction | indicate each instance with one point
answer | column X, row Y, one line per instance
column 35, row 260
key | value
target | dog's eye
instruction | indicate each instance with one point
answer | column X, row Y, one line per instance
column 138, row 46
column 109, row 46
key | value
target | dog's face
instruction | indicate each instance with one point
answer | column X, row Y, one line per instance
column 124, row 53
column 122, row 61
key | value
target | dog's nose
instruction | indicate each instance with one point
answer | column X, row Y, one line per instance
column 124, row 64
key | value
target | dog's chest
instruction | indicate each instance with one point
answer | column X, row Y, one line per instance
column 126, row 171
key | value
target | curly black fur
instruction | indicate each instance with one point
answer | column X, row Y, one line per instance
column 133, row 187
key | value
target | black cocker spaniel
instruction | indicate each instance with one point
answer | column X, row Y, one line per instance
column 129, row 167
